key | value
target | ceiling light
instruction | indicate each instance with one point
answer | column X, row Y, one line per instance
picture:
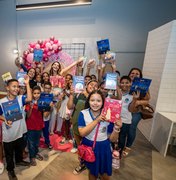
column 53, row 4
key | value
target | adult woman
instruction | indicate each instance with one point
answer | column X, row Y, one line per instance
column 136, row 117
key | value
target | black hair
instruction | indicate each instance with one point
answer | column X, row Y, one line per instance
column 47, row 83
column 10, row 81
column 93, row 75
column 118, row 72
column 36, row 88
column 34, row 74
column 87, row 105
column 137, row 69
column 125, row 77
column 51, row 73
column 88, row 77
column 69, row 75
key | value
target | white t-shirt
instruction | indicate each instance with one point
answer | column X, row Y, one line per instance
column 85, row 119
column 126, row 115
column 18, row 127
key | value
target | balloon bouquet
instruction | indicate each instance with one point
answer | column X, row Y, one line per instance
column 52, row 51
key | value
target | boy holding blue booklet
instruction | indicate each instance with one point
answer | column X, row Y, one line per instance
column 12, row 132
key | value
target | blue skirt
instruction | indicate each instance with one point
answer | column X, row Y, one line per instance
column 103, row 154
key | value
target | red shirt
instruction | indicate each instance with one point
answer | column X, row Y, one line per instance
column 35, row 121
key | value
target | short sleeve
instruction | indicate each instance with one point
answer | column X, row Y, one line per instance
column 81, row 121
column 110, row 128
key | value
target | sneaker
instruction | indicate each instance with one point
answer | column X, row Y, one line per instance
column 79, row 169
column 23, row 163
column 12, row 175
column 33, row 162
column 39, row 157
column 1, row 167
column 74, row 150
column 64, row 141
column 50, row 146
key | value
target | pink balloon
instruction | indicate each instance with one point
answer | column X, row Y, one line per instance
column 30, row 57
column 49, row 53
column 31, row 50
column 52, row 38
column 37, row 46
column 47, row 44
column 40, row 42
column 32, row 45
column 50, row 48
column 55, row 41
column 60, row 48
column 44, row 55
column 59, row 43
column 51, row 42
column 55, row 46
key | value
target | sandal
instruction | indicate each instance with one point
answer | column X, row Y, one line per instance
column 126, row 151
column 39, row 157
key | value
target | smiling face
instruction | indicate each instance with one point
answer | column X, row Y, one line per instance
column 56, row 67
column 125, row 85
column 36, row 94
column 92, row 86
column 45, row 77
column 31, row 73
column 13, row 88
column 134, row 73
column 95, row 102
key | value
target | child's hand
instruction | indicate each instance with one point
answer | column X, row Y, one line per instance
column 51, row 104
column 101, row 117
column 72, row 91
column 118, row 123
column 8, row 123
column 26, row 79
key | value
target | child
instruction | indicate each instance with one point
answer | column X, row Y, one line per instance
column 1, row 148
column 87, row 124
column 64, row 112
column 35, row 125
column 12, row 136
column 46, row 116
column 125, row 84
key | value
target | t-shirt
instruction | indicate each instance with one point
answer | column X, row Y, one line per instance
column 126, row 115
column 18, row 127
column 105, row 128
column 35, row 121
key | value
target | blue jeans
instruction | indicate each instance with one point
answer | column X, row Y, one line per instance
column 124, row 133
column 46, row 133
column 136, row 117
column 33, row 137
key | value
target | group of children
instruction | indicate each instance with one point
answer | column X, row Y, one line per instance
column 80, row 115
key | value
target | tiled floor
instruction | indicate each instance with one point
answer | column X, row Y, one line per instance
column 143, row 163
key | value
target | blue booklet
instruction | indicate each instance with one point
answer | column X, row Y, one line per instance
column 38, row 55
column 44, row 102
column 140, row 84
column 78, row 83
column 103, row 46
column 111, row 81
column 12, row 111
column 20, row 77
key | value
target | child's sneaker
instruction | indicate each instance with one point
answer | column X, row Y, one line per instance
column 1, row 167
column 50, row 146
column 63, row 141
column 79, row 169
column 74, row 150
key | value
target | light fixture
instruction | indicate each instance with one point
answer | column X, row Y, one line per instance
column 15, row 51
column 53, row 4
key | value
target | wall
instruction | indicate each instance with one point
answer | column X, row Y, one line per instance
column 8, row 40
column 126, row 24
column 160, row 65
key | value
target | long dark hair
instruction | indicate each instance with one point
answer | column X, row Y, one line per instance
column 87, row 105
column 51, row 73
column 137, row 69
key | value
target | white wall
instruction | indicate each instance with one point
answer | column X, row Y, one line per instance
column 7, row 38
column 160, row 66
